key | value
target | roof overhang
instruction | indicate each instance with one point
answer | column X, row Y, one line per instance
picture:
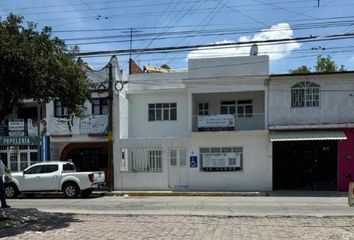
column 307, row 135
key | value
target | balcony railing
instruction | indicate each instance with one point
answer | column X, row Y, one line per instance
column 228, row 122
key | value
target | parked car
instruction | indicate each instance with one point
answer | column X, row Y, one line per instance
column 54, row 177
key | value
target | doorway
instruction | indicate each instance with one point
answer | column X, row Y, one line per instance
column 178, row 170
column 305, row 165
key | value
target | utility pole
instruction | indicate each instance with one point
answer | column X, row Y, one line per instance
column 131, row 45
column 110, row 177
column 38, row 132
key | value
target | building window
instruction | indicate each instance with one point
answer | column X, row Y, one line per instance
column 221, row 159
column 100, row 106
column 154, row 161
column 203, row 109
column 60, row 110
column 162, row 111
column 244, row 109
column 305, row 94
column 228, row 107
column 141, row 160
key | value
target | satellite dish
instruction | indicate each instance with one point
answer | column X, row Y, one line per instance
column 254, row 50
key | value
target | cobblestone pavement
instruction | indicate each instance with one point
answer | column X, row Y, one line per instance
column 68, row 226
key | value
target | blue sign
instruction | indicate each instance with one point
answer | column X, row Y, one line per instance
column 193, row 162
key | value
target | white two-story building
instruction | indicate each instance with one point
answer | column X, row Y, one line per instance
column 200, row 129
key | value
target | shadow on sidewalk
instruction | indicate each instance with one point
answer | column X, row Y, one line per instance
column 18, row 221
column 307, row 194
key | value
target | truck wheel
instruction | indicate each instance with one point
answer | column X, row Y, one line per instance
column 71, row 190
column 11, row 190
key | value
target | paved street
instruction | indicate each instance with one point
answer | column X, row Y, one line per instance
column 277, row 217
column 67, row 226
column 210, row 206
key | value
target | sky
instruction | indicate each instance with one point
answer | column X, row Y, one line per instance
column 100, row 25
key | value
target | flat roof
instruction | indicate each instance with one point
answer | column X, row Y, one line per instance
column 309, row 74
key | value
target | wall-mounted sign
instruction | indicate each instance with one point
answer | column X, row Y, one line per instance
column 14, row 141
column 193, row 161
column 222, row 120
column 16, row 127
column 222, row 160
column 64, row 126
column 94, row 124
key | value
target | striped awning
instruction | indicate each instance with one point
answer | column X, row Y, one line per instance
column 307, row 135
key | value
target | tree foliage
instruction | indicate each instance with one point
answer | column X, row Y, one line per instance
column 323, row 64
column 36, row 65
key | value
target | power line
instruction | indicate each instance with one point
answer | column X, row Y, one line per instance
column 262, row 42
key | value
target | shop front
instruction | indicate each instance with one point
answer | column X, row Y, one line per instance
column 306, row 159
column 20, row 152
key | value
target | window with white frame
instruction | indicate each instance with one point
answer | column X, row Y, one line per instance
column 220, row 159
column 305, row 94
column 141, row 160
column 203, row 109
column 162, row 111
column 228, row 107
column 244, row 108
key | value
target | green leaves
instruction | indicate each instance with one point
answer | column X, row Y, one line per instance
column 323, row 64
column 34, row 64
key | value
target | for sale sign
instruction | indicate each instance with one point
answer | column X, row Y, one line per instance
column 222, row 160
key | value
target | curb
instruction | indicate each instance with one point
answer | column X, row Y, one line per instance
column 187, row 194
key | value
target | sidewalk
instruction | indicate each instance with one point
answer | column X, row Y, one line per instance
column 225, row 194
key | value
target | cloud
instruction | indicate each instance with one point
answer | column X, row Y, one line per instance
column 275, row 51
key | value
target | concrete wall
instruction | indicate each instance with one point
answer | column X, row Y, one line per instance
column 228, row 66
column 336, row 102
column 256, row 173
column 139, row 126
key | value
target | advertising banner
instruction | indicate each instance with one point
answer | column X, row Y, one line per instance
column 32, row 127
column 94, row 124
column 222, row 120
column 222, row 160
column 64, row 126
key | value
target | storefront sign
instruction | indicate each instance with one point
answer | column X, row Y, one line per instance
column 94, row 124
column 222, row 160
column 17, row 127
column 222, row 120
column 19, row 140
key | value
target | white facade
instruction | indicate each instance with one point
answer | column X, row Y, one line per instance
column 159, row 151
column 335, row 107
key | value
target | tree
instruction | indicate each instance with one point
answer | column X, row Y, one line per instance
column 326, row 64
column 36, row 65
column 323, row 64
column 302, row 69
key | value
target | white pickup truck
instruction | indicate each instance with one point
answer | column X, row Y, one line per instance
column 54, row 177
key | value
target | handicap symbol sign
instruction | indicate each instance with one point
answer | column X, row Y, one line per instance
column 193, row 162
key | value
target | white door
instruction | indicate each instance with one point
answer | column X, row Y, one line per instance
column 178, row 169
column 31, row 180
column 51, row 177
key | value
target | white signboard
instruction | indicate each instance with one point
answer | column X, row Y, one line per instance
column 64, row 126
column 222, row 120
column 32, row 127
column 222, row 160
column 17, row 127
column 94, row 124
